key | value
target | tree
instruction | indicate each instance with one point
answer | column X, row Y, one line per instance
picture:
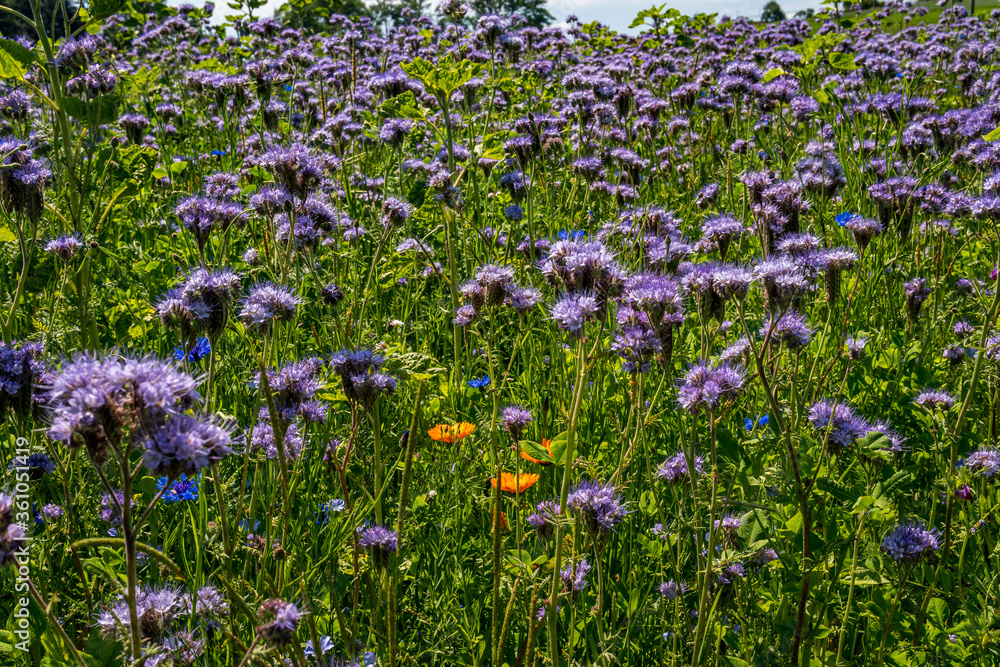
column 392, row 13
column 11, row 26
column 313, row 15
column 772, row 13
column 805, row 13
column 532, row 11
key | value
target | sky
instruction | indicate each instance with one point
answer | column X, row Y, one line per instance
column 617, row 14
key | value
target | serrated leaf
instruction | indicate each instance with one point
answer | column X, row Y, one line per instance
column 14, row 59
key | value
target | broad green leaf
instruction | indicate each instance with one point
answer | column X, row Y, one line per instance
column 101, row 110
column 444, row 78
column 14, row 59
column 993, row 135
column 102, row 9
column 6, row 235
column 844, row 61
column 937, row 613
column 402, row 106
column 773, row 73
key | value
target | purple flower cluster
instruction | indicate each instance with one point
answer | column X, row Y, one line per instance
column 599, row 505
column 708, row 388
column 910, row 543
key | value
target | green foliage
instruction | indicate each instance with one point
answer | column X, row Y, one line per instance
column 772, row 12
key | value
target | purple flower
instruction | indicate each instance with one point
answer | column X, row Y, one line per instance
column 856, row 348
column 599, row 505
column 185, row 445
column 380, row 543
column 573, row 311
column 707, row 388
column 671, row 589
column 791, row 330
column 675, row 469
column 917, row 292
column 763, row 556
column 543, row 519
column 515, row 419
column 983, row 463
column 96, row 401
column 265, row 304
column 909, row 543
column 280, row 622
column 934, row 400
column 65, row 247
column 573, row 577
column 845, row 427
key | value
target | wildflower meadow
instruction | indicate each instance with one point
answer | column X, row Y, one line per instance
column 454, row 340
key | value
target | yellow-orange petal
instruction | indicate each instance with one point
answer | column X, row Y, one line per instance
column 515, row 483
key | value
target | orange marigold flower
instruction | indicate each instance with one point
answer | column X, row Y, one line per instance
column 547, row 444
column 451, row 432
column 515, row 483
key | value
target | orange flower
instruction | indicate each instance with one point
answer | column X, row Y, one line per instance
column 547, row 444
column 515, row 483
column 451, row 432
column 504, row 526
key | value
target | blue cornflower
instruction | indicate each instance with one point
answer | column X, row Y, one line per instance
column 323, row 510
column 761, row 422
column 183, row 488
column 218, row 153
column 325, row 643
column 844, row 218
column 201, row 349
column 571, row 235
column 480, row 382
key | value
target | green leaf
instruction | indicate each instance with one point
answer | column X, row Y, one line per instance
column 402, row 106
column 14, row 59
column 994, row 135
column 178, row 167
column 6, row 236
column 444, row 78
column 101, row 110
column 536, row 451
column 844, row 61
column 102, row 9
column 773, row 73
column 937, row 613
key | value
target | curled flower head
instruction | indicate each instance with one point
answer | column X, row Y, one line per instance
column 983, row 463
column 65, row 247
column 280, row 622
column 574, row 577
column 706, row 387
column 599, row 505
column 675, row 469
column 910, row 543
column 844, row 426
column 268, row 303
column 516, row 418
column 933, row 401
column 380, row 543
